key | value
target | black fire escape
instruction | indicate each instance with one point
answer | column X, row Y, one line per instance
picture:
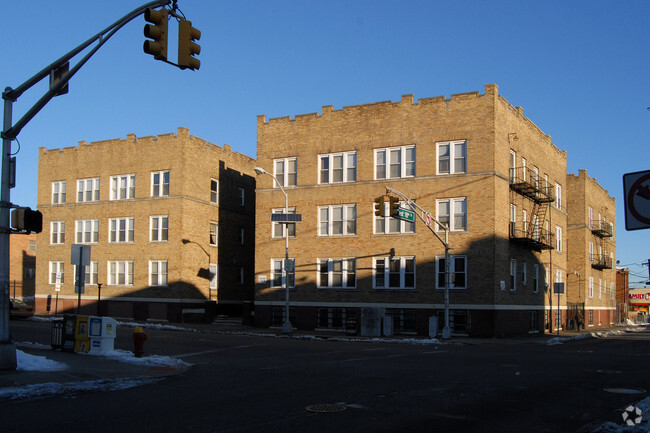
column 532, row 233
column 602, row 230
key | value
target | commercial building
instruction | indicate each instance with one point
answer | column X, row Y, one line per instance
column 169, row 220
column 473, row 161
column 22, row 266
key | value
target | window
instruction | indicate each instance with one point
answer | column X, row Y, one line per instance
column 535, row 278
column 513, row 274
column 600, row 288
column 394, row 273
column 395, row 162
column 513, row 165
column 57, row 232
column 558, row 195
column 58, row 192
column 277, row 278
column 524, row 221
column 524, row 273
column 90, row 271
column 214, row 191
column 56, row 268
column 337, row 220
column 241, row 275
column 240, row 237
column 591, row 217
column 159, row 183
column 558, row 239
column 536, row 177
column 523, row 169
column 159, row 228
column 87, row 190
column 214, row 234
column 157, row 272
column 452, row 157
column 336, row 273
column 120, row 230
column 279, row 229
column 120, row 273
column 388, row 224
column 123, row 187
column 87, row 231
column 452, row 212
column 611, row 290
column 241, row 196
column 338, row 167
column 32, row 245
column 591, row 252
column 533, row 322
column 285, row 171
column 591, row 287
column 213, row 276
column 457, row 272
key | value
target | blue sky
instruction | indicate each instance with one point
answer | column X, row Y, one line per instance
column 579, row 69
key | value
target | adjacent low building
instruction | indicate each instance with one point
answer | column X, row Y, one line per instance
column 169, row 220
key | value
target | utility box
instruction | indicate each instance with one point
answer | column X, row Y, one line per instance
column 81, row 338
column 101, row 332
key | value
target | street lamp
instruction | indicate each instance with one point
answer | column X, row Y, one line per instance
column 286, row 325
column 209, row 275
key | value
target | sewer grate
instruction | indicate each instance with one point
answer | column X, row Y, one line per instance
column 325, row 408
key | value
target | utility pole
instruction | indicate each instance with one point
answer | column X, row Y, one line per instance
column 427, row 219
column 60, row 74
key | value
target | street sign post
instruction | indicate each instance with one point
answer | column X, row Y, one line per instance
column 637, row 200
column 286, row 217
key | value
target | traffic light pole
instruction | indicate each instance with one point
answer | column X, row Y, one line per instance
column 9, row 133
column 421, row 213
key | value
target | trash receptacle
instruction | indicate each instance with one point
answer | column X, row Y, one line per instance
column 57, row 335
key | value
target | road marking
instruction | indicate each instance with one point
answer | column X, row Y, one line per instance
column 187, row 355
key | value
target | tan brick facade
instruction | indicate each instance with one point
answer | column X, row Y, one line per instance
column 22, row 266
column 491, row 301
column 187, row 208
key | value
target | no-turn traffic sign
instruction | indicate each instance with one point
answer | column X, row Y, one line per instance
column 636, row 187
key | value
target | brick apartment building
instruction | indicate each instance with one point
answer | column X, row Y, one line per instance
column 592, row 251
column 22, row 266
column 169, row 220
column 472, row 160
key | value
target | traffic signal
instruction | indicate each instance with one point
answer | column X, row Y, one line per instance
column 25, row 219
column 157, row 31
column 379, row 206
column 187, row 48
column 393, row 206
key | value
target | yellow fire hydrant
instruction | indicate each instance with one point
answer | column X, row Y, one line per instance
column 139, row 337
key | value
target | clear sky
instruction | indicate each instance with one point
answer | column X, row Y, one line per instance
column 580, row 70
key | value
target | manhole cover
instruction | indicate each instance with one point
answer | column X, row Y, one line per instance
column 625, row 390
column 325, row 408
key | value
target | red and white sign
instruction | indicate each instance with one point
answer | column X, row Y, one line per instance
column 639, row 296
column 427, row 218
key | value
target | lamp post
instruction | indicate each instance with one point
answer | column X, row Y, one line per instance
column 286, row 325
column 187, row 241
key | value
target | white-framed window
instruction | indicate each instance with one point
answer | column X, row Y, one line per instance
column 524, row 221
column 524, row 175
column 214, row 191
column 591, row 217
column 87, row 231
column 242, row 196
column 285, row 171
column 611, row 290
column 395, row 162
column 390, row 225
column 214, row 277
column 452, row 157
column 123, row 187
column 337, row 273
column 337, row 220
column 160, row 183
column 87, row 190
column 513, row 165
column 591, row 252
column 535, row 278
column 558, row 195
column 120, row 273
column 58, row 192
column 591, row 287
column 536, row 177
column 56, row 267
column 457, row 272
column 214, row 234
column 57, row 232
column 157, row 272
column 120, row 229
column 240, row 237
column 394, row 273
column 159, row 228
column 279, row 229
column 558, row 239
column 524, row 273
column 276, row 273
column 337, row 167
column 600, row 288
column 90, row 273
column 513, row 274
column 452, row 212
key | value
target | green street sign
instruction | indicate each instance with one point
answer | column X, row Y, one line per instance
column 406, row 215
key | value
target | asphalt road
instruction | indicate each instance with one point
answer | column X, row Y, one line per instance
column 242, row 383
